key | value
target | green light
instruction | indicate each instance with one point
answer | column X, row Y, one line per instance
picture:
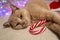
column 4, row 0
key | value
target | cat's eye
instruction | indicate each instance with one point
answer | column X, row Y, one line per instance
column 21, row 16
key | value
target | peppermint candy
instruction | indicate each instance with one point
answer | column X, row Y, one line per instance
column 42, row 29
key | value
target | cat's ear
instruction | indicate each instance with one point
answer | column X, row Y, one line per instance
column 6, row 24
column 13, row 7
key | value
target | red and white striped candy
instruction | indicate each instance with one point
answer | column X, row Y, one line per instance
column 42, row 29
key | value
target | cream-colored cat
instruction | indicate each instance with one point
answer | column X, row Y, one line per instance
column 34, row 10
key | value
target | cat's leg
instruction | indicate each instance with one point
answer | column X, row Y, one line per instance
column 54, row 27
column 53, row 16
column 43, row 13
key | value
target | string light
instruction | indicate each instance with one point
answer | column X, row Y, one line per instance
column 5, row 8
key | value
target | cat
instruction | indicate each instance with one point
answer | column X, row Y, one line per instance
column 34, row 10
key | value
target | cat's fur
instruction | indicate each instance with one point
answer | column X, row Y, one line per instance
column 34, row 10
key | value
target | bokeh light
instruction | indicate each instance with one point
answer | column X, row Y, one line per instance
column 19, row 3
column 5, row 8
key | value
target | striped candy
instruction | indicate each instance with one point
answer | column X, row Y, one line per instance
column 42, row 29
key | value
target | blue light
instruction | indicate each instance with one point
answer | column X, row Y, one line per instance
column 5, row 8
